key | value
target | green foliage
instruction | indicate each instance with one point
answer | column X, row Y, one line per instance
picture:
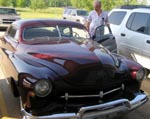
column 5, row 2
column 51, row 12
column 59, row 3
column 83, row 4
column 87, row 4
column 21, row 3
column 39, row 4
column 14, row 3
column 108, row 4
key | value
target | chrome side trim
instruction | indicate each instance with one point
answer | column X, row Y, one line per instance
column 110, row 108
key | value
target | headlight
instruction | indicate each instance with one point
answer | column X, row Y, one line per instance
column 1, row 21
column 42, row 88
column 138, row 75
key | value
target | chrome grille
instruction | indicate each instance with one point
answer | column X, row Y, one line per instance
column 8, row 21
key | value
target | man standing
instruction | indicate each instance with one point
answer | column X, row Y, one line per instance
column 97, row 17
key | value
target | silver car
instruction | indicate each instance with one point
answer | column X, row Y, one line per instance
column 73, row 14
column 7, row 16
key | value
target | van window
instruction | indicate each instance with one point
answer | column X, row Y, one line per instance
column 138, row 22
column 116, row 17
column 148, row 27
column 130, row 20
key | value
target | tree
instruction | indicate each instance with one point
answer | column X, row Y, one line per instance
column 5, row 2
column 76, row 3
column 21, row 3
column 39, row 4
column 14, row 3
column 108, row 4
column 88, row 4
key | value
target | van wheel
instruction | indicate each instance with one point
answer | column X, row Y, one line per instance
column 148, row 73
column 14, row 88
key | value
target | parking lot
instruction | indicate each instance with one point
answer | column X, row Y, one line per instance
column 10, row 108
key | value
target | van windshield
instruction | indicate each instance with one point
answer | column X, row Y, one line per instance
column 82, row 12
column 7, row 11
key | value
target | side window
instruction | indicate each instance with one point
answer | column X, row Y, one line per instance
column 65, row 31
column 148, row 27
column 130, row 20
column 73, row 13
column 12, row 33
column 138, row 22
column 116, row 17
column 69, row 11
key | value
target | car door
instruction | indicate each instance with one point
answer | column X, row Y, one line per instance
column 146, row 49
column 132, row 35
column 104, row 36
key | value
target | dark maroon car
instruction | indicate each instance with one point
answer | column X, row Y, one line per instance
column 58, row 72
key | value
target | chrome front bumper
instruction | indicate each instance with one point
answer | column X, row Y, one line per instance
column 101, row 110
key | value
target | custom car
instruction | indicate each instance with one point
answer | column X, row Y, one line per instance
column 59, row 72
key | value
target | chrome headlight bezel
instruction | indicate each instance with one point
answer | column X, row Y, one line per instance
column 140, row 74
column 42, row 88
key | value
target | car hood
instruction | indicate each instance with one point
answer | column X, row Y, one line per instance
column 9, row 16
column 80, row 53
column 64, row 58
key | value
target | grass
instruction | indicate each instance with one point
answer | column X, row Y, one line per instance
column 52, row 12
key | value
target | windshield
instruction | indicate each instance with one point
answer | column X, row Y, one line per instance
column 75, row 32
column 56, row 31
column 7, row 11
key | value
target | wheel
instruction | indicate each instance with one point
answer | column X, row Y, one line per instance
column 14, row 88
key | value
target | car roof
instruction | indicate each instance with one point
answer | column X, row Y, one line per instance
column 143, row 10
column 133, row 6
column 72, row 8
column 45, row 21
column 7, row 7
column 146, row 10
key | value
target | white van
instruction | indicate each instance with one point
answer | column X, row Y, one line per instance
column 131, row 29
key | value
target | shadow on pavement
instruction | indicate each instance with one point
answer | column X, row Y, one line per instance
column 9, row 105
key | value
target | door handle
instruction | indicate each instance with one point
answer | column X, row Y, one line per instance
column 148, row 41
column 122, row 34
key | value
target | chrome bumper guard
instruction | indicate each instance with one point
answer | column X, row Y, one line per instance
column 110, row 108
